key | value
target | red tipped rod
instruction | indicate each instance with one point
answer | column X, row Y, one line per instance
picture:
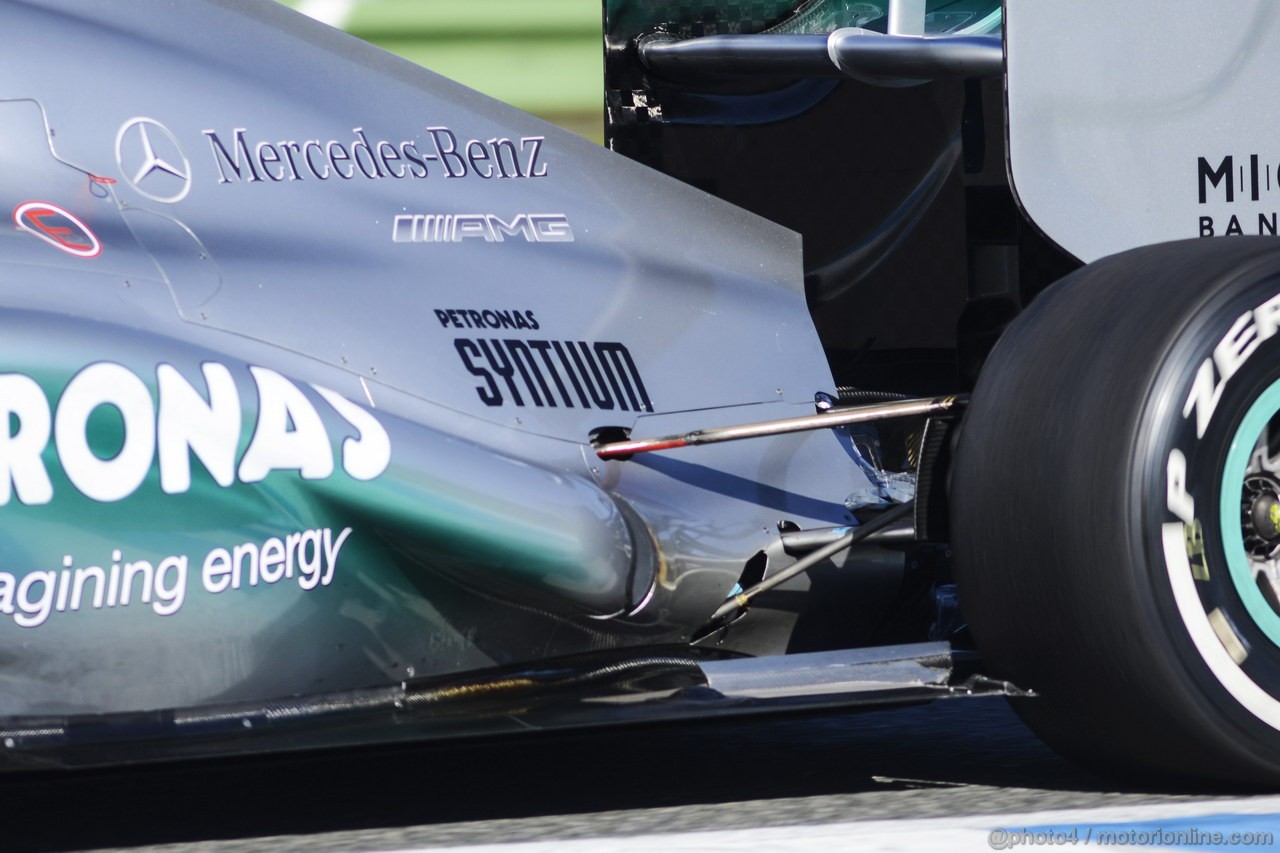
column 822, row 420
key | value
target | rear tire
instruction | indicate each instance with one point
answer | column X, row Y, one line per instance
column 1112, row 513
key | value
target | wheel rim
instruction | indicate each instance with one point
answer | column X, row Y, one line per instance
column 1250, row 515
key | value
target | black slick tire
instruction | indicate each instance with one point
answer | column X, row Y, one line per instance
column 1092, row 518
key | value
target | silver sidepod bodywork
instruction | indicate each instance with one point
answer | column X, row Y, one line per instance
column 303, row 346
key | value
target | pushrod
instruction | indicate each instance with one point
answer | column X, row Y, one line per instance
column 822, row 420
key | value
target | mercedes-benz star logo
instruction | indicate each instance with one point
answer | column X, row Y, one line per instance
column 152, row 162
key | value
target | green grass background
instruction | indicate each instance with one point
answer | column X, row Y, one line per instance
column 543, row 56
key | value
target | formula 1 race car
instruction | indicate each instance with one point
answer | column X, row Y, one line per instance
column 347, row 405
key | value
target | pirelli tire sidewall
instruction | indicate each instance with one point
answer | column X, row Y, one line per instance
column 1059, row 499
column 1217, row 371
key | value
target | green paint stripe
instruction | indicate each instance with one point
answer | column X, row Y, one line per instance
column 563, row 76
column 497, row 19
column 543, row 56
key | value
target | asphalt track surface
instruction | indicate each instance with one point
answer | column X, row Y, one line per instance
column 951, row 758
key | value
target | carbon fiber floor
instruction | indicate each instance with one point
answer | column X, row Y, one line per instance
column 949, row 758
